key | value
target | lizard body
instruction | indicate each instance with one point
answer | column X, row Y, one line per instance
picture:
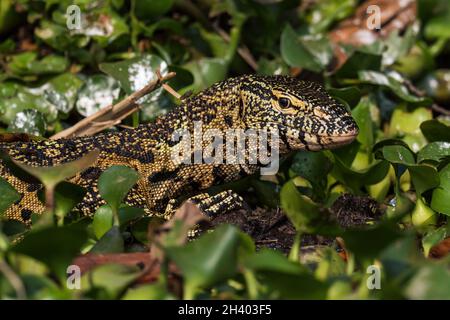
column 305, row 116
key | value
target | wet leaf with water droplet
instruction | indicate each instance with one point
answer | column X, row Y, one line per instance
column 28, row 121
column 98, row 92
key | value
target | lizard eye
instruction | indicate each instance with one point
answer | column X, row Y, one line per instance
column 284, row 102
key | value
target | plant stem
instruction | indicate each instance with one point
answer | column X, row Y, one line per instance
column 252, row 284
column 14, row 280
column 294, row 254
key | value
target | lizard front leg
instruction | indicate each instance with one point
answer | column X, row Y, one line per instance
column 210, row 205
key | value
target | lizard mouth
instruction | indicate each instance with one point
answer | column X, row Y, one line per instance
column 320, row 142
column 335, row 141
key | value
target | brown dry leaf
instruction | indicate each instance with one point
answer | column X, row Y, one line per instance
column 441, row 249
column 150, row 262
column 188, row 216
column 355, row 31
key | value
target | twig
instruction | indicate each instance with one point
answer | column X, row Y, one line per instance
column 194, row 11
column 14, row 280
column 111, row 115
column 440, row 109
column 420, row 93
column 166, row 87
column 242, row 50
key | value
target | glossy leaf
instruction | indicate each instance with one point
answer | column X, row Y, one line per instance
column 8, row 195
column 113, row 278
column 209, row 260
column 103, row 221
column 309, row 52
column 51, row 176
column 98, row 92
column 115, row 182
column 110, row 242
column 369, row 242
column 434, row 151
column 55, row 246
column 434, row 130
column 441, row 195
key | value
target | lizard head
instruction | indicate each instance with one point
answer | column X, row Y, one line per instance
column 304, row 114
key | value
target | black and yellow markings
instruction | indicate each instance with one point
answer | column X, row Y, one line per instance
column 304, row 113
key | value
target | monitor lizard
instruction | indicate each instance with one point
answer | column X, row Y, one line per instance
column 305, row 115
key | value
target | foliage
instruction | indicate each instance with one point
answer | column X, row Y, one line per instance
column 52, row 76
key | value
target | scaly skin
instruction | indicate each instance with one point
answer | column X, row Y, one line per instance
column 305, row 115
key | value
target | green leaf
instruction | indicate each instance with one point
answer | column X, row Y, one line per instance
column 440, row 200
column 57, row 37
column 11, row 228
column 429, row 282
column 156, row 291
column 129, row 214
column 304, row 214
column 355, row 179
column 103, row 221
column 399, row 257
column 8, row 195
column 397, row 46
column 394, row 82
column 267, row 192
column 52, row 175
column 351, row 95
column 113, row 278
column 320, row 15
column 97, row 92
column 314, row 167
column 406, row 124
column 115, row 182
column 16, row 98
column 25, row 64
column 398, row 154
column 67, row 196
column 359, row 60
column 206, row 71
column 438, row 27
column 368, row 243
column 300, row 209
column 423, row 177
column 61, row 91
column 434, row 151
column 299, row 286
column 362, row 115
column 183, row 79
column 434, row 130
column 103, row 25
column 271, row 260
column 209, row 260
column 437, row 85
column 54, row 246
column 310, row 52
column 110, row 242
column 28, row 121
column 147, row 10
column 432, row 238
column 134, row 74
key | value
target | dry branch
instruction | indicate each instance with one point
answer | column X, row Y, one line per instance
column 355, row 31
column 150, row 262
column 113, row 114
